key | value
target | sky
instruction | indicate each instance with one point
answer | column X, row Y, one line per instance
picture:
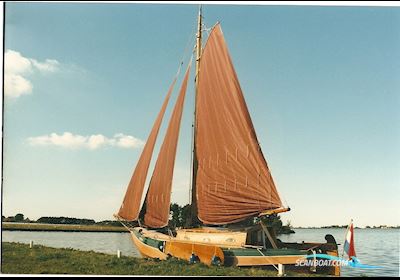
column 84, row 83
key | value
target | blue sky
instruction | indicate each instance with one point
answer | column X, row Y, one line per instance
column 87, row 80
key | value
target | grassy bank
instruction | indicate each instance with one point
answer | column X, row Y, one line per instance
column 59, row 227
column 20, row 259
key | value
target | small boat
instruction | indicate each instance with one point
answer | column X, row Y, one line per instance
column 232, row 189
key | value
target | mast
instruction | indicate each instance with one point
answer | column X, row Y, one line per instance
column 194, row 156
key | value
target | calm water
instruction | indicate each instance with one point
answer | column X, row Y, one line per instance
column 103, row 242
column 378, row 247
column 373, row 246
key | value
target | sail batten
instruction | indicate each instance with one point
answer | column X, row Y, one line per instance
column 233, row 181
column 158, row 196
column 130, row 207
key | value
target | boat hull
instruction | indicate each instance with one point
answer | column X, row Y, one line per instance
column 148, row 248
column 206, row 253
column 262, row 260
column 152, row 244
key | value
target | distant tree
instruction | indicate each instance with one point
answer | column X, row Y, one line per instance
column 3, row 218
column 286, row 229
column 182, row 217
column 142, row 213
column 175, row 218
column 109, row 223
column 275, row 222
column 19, row 218
column 186, row 216
column 10, row 219
column 65, row 220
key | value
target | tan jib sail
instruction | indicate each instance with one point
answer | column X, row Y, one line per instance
column 130, row 207
column 233, row 181
column 159, row 193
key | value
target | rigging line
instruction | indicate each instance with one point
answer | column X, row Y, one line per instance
column 122, row 222
column 190, row 40
column 191, row 157
column 259, row 250
column 280, row 194
column 206, row 29
column 192, row 138
column 192, row 142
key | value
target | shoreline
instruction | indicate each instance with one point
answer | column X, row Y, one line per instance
column 60, row 227
column 9, row 226
column 18, row 258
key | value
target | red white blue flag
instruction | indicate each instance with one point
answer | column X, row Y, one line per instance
column 349, row 242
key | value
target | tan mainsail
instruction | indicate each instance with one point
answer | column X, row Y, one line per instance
column 233, row 181
column 130, row 207
column 159, row 194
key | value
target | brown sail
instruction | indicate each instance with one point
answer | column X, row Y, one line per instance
column 130, row 207
column 159, row 193
column 233, row 181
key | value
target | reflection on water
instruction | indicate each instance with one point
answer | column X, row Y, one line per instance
column 378, row 247
column 373, row 246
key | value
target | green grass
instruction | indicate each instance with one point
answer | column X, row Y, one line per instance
column 59, row 227
column 18, row 258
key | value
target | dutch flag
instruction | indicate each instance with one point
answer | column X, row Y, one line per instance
column 349, row 242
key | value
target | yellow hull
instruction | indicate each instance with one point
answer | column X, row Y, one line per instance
column 222, row 238
column 146, row 250
column 265, row 260
column 208, row 244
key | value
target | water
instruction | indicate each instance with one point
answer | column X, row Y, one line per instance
column 378, row 247
column 103, row 242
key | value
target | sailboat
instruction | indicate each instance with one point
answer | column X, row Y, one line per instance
column 231, row 181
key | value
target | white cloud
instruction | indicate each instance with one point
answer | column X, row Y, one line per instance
column 15, row 63
column 50, row 65
column 127, row 141
column 16, row 85
column 17, row 67
column 96, row 141
column 92, row 142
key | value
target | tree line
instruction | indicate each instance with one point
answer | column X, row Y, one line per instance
column 180, row 217
column 19, row 218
